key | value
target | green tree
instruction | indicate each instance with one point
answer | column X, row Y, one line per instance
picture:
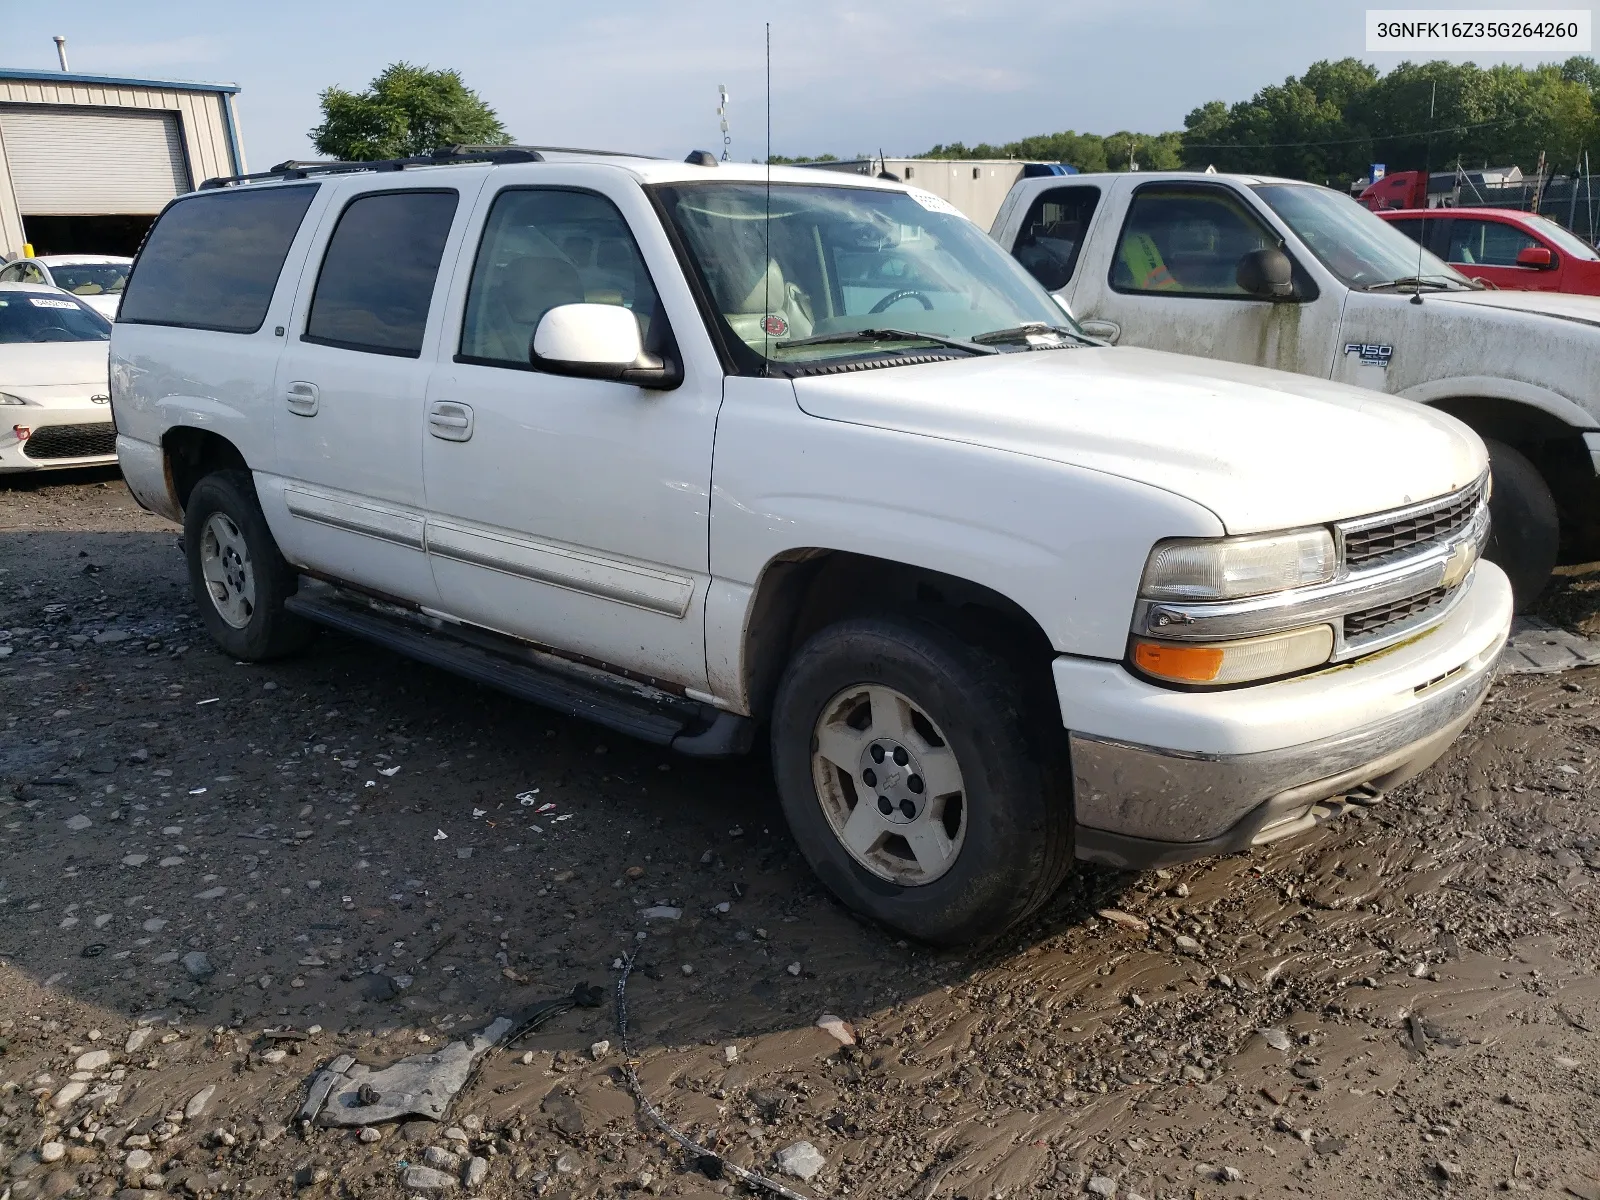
column 407, row 110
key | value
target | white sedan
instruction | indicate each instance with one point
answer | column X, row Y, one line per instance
column 55, row 401
column 96, row 279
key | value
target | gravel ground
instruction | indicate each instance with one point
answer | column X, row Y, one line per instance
column 196, row 854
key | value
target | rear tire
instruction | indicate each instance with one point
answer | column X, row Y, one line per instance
column 958, row 856
column 1525, row 527
column 239, row 578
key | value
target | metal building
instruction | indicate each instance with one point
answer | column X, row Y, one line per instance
column 977, row 186
column 87, row 161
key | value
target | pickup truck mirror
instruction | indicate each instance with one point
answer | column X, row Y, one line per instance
column 598, row 341
column 1536, row 256
column 1267, row 273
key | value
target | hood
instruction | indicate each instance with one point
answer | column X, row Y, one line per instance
column 26, row 364
column 1261, row 449
column 1564, row 306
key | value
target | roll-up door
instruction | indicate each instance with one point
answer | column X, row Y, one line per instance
column 90, row 161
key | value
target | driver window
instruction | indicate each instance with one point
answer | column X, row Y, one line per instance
column 543, row 248
column 1186, row 240
column 31, row 274
column 1486, row 243
column 1051, row 236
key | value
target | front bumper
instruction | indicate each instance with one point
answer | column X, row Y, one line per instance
column 1162, row 776
column 58, row 431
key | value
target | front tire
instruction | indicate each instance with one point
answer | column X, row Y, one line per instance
column 918, row 782
column 239, row 578
column 1524, row 525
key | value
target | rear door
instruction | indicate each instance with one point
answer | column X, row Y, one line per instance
column 352, row 380
column 1166, row 280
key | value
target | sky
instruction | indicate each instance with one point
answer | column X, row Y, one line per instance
column 848, row 76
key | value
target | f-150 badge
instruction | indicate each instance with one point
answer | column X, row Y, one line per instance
column 1371, row 354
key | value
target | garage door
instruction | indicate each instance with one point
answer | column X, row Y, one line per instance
column 85, row 162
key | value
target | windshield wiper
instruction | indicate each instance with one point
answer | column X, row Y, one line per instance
column 1415, row 281
column 887, row 335
column 1020, row 333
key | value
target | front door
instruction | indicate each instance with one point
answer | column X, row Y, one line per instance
column 572, row 512
column 1169, row 283
column 1486, row 249
column 350, row 388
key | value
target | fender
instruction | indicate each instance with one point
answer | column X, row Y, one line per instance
column 1490, row 387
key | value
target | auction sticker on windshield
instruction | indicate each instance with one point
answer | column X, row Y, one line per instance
column 37, row 302
column 934, row 203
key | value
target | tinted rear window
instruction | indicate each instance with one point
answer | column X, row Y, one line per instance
column 212, row 261
column 377, row 277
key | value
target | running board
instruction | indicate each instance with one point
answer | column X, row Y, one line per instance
column 623, row 705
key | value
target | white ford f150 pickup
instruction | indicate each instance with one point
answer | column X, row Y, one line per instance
column 699, row 454
column 1301, row 278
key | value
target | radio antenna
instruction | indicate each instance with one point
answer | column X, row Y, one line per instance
column 766, row 226
column 1427, row 179
column 722, row 112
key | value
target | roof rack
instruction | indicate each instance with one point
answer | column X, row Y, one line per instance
column 299, row 169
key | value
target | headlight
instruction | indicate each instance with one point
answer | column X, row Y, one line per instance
column 1243, row 661
column 1187, row 569
column 8, row 398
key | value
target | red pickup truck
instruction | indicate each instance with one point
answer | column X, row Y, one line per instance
column 1507, row 249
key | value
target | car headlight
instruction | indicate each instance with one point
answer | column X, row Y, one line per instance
column 1243, row 661
column 1190, row 570
column 8, row 398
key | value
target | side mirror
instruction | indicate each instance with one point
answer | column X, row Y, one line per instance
column 1538, row 257
column 598, row 341
column 1267, row 274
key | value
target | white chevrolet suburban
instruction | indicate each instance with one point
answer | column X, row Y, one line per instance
column 696, row 453
column 1302, row 278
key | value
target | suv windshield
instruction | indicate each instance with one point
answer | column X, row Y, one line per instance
column 1360, row 248
column 90, row 279
column 32, row 317
column 848, row 271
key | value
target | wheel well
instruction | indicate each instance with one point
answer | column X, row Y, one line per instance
column 1560, row 454
column 192, row 454
column 806, row 590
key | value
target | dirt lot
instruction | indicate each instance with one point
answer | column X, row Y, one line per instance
column 1406, row 1004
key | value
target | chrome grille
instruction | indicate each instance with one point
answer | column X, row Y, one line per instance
column 1371, row 545
column 1373, row 622
column 71, row 441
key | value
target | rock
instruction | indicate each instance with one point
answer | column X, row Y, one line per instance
column 216, row 893
column 52, row 1152
column 476, row 1172
column 135, row 860
column 837, row 1028
column 93, row 1060
column 78, row 823
column 1229, row 1175
column 1446, row 1169
column 199, row 1102
column 599, row 1050
column 564, row 1113
column 634, row 872
column 371, row 1134
column 1128, row 921
column 136, row 1040
column 1278, row 1039
column 802, row 1160
column 730, row 1054
column 111, row 637
column 1101, row 1185
column 793, row 969
column 198, row 965
column 771, row 1103
column 442, row 1160
column 426, row 1179
column 569, row 1164
column 662, row 912
column 378, row 988
column 138, row 1161
column 274, row 1056
column 1185, row 944
column 69, row 1093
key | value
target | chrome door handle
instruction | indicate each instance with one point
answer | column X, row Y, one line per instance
column 1108, row 331
column 450, row 421
column 302, row 399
